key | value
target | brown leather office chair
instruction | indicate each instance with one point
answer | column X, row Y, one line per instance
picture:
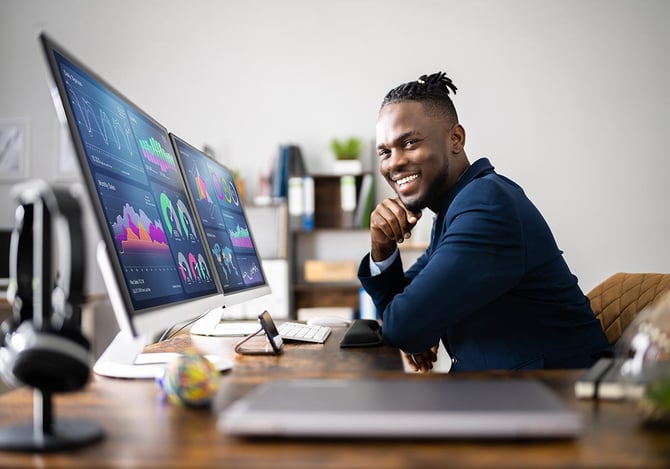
column 617, row 300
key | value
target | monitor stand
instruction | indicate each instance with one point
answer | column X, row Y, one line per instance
column 123, row 359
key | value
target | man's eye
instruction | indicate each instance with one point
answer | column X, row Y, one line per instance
column 411, row 142
column 383, row 154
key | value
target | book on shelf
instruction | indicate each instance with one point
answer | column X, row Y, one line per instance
column 348, row 201
column 308, row 203
column 348, row 193
column 288, row 163
column 366, row 199
column 296, row 196
column 301, row 202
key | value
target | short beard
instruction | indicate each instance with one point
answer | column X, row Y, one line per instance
column 413, row 205
column 431, row 198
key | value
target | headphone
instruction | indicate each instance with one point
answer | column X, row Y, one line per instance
column 42, row 345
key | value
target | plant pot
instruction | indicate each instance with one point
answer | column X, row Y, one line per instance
column 347, row 167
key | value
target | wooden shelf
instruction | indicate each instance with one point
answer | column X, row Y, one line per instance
column 334, row 238
column 327, row 201
column 309, row 295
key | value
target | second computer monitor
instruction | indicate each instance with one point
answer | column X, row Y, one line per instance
column 220, row 210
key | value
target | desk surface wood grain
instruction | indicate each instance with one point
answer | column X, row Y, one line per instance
column 142, row 430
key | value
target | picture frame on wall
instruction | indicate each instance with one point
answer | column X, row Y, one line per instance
column 13, row 148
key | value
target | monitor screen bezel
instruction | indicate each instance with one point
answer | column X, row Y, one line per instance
column 137, row 321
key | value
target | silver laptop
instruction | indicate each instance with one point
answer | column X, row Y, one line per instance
column 408, row 408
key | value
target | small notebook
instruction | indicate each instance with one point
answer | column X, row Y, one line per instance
column 408, row 408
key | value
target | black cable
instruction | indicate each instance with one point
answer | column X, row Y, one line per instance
column 168, row 334
column 250, row 336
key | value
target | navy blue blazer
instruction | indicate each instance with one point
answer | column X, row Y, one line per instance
column 492, row 285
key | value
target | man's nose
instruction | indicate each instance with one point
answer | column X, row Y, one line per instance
column 396, row 159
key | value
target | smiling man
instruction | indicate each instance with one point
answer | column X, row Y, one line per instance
column 493, row 285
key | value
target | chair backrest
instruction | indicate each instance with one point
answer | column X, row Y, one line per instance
column 617, row 300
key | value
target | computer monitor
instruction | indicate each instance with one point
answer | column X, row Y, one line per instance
column 153, row 258
column 228, row 236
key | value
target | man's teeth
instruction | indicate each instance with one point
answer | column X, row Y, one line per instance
column 407, row 179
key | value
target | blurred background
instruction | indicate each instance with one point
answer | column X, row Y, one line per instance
column 569, row 98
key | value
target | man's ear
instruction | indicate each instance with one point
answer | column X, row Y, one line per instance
column 457, row 136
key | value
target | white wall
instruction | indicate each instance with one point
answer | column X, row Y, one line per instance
column 569, row 98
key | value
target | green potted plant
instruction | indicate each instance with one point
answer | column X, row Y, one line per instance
column 347, row 154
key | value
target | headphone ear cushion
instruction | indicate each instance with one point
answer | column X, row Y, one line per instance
column 49, row 361
column 7, row 328
column 20, row 291
column 7, row 360
column 7, row 356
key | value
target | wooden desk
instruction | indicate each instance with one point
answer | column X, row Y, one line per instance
column 144, row 431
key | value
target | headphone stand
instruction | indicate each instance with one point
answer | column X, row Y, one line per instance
column 49, row 356
column 45, row 434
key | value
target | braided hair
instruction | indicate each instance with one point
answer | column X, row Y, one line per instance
column 430, row 90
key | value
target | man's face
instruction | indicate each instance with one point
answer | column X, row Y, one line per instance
column 414, row 149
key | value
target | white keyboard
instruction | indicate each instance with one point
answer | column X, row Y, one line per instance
column 303, row 332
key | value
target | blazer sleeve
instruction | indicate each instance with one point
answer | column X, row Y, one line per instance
column 478, row 256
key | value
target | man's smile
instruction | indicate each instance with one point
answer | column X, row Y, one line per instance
column 404, row 180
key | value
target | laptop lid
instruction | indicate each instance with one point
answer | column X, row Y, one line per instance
column 409, row 408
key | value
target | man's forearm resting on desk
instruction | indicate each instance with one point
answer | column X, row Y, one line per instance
column 418, row 361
